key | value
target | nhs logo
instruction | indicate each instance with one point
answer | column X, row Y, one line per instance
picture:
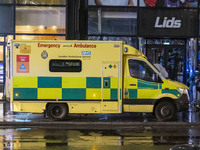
column 86, row 52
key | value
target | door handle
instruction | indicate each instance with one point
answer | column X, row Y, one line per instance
column 132, row 84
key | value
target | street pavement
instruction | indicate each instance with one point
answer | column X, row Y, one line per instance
column 190, row 118
column 103, row 131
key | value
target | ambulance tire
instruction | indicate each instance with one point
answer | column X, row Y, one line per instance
column 57, row 111
column 164, row 111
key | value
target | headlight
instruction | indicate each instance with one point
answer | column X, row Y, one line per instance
column 182, row 91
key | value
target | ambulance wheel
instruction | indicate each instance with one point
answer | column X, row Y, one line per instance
column 164, row 111
column 57, row 111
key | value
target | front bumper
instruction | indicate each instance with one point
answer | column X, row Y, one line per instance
column 182, row 103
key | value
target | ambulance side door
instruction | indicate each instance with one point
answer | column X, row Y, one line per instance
column 141, row 83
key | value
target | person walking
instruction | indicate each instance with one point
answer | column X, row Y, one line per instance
column 192, row 87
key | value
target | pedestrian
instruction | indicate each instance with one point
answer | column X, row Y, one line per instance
column 192, row 81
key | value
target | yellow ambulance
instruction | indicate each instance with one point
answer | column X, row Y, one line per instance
column 89, row 77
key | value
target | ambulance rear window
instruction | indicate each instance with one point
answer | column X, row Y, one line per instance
column 63, row 65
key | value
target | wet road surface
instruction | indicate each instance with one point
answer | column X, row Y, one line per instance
column 138, row 139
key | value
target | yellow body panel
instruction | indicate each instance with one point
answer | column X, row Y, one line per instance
column 87, row 107
column 173, row 84
column 110, row 106
column 93, row 94
column 106, row 93
column 114, row 80
column 33, row 107
column 74, row 107
column 49, row 93
column 166, row 95
column 148, row 93
column 25, row 82
column 129, row 80
column 138, row 108
column 73, row 82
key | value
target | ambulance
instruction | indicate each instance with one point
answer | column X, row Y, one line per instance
column 89, row 77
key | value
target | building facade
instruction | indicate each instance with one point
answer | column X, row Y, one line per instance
column 167, row 31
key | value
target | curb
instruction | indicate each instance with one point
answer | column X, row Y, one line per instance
column 100, row 125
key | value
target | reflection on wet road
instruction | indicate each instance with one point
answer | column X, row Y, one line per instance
column 146, row 139
column 137, row 138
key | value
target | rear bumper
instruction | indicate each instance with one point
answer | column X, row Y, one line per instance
column 182, row 103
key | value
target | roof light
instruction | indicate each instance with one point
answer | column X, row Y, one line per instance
column 126, row 49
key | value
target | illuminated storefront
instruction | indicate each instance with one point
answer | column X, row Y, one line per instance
column 167, row 31
column 29, row 20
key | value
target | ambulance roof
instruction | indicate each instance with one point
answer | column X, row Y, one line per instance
column 129, row 50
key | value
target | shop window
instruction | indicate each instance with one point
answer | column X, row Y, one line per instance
column 1, row 75
column 198, row 55
column 169, row 3
column 199, row 25
column 1, row 65
column 29, row 37
column 93, row 22
column 119, row 26
column 94, row 38
column 6, row 1
column 1, row 53
column 42, row 2
column 113, row 2
column 119, row 23
column 191, row 56
column 6, row 17
column 112, row 22
column 132, row 41
column 43, row 20
column 58, row 65
column 9, row 38
column 1, row 39
column 166, row 41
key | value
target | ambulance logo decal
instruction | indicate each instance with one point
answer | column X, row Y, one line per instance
column 44, row 54
column 22, row 66
column 86, row 52
column 22, row 63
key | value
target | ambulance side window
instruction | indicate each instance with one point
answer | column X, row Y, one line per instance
column 63, row 65
column 141, row 70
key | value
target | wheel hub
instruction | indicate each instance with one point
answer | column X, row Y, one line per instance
column 165, row 111
column 57, row 111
